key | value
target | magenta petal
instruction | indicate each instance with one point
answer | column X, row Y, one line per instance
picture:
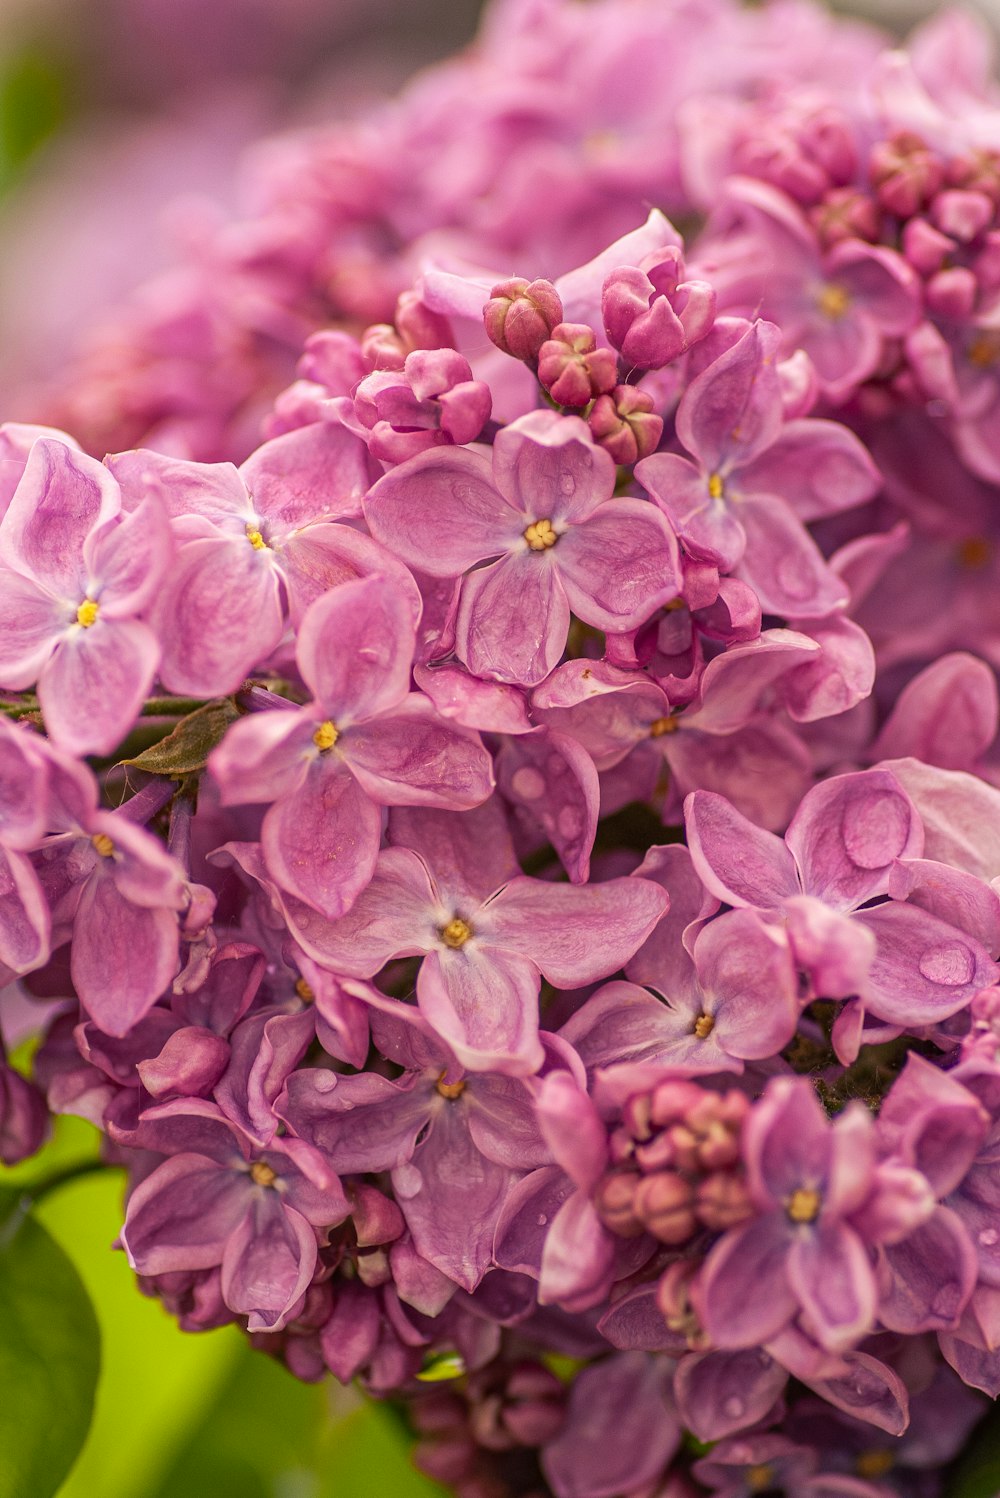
column 663, row 961
column 484, row 1003
column 732, row 411
column 819, row 467
column 933, row 1273
column 830, row 1271
column 355, row 646
column 708, row 527
column 947, row 715
column 737, row 861
column 522, row 1226
column 393, row 916
column 747, row 969
column 924, row 969
column 621, row 1430
column 441, row 513
column 513, row 619
column 359, row 1123
column 182, row 1214
column 575, row 933
column 552, row 779
column 92, row 688
column 620, row 565
column 578, row 1259
column 123, row 955
column 268, row 1262
column 25, row 923
column 847, row 834
column 764, row 769
column 62, row 495
column 721, row 1393
column 321, row 841
column 752, row 1255
column 471, row 854
column 217, row 616
column 572, row 1128
column 320, row 557
column 783, row 564
column 314, row 473
column 412, row 757
column 547, row 465
column 453, row 1230
column 32, row 623
column 263, row 756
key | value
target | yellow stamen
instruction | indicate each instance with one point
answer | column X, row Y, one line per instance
column 450, row 1090
column 759, row 1477
column 875, row 1463
column 262, row 1175
column 974, row 553
column 326, row 736
column 984, row 350
column 803, row 1205
column 87, row 613
column 456, row 933
column 703, row 1026
column 304, row 991
column 540, row 535
column 833, row 301
column 256, row 539
column 103, row 844
column 660, row 726
column 715, row 487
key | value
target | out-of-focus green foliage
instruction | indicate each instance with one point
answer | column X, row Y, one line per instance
column 49, row 1356
column 183, row 1416
column 33, row 104
column 978, row 1471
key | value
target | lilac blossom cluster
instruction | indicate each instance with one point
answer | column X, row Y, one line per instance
column 512, row 868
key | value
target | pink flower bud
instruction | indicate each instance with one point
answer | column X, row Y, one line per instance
column 979, row 171
column 723, row 1201
column 845, row 213
column 924, row 246
column 624, row 423
column 417, row 327
column 952, row 292
column 520, row 315
column 664, row 1204
column 613, row 1200
column 432, row 401
column 963, row 215
column 654, row 316
column 905, row 172
column 573, row 369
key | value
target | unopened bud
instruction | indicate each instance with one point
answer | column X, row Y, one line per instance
column 664, row 1204
column 520, row 316
column 906, row 173
column 573, row 369
column 624, row 424
column 723, row 1201
column 613, row 1201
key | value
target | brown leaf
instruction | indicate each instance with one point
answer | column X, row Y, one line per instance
column 185, row 750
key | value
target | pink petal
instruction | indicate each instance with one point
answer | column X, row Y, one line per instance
column 752, row 1255
column 783, row 564
column 318, row 472
column 123, row 955
column 619, row 566
column 747, row 969
column 62, row 495
column 848, row 832
column 321, row 841
column 737, row 861
column 355, row 646
column 513, row 619
column 410, row 757
column 549, row 467
column 32, row 623
column 830, row 1272
column 732, row 412
column 818, row 467
column 552, row 779
column 92, row 689
column 127, row 558
column 268, row 1262
column 441, row 513
column 708, row 527
column 484, row 1004
column 320, row 557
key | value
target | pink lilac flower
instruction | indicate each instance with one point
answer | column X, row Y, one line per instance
column 561, row 541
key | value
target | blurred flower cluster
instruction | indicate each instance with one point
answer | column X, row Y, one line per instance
column 499, row 810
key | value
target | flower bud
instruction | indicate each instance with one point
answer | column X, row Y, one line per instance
column 664, row 1204
column 613, row 1201
column 963, row 215
column 723, row 1201
column 520, row 316
column 952, row 292
column 653, row 316
column 24, row 1117
column 905, row 172
column 624, row 424
column 417, row 327
column 845, row 213
column 573, row 369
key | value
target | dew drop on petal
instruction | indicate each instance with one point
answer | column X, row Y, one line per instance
column 950, row 962
column 542, row 1219
column 733, row 1407
column 407, row 1181
column 527, row 783
column 567, row 483
column 569, row 822
column 555, row 764
column 988, row 1237
column 326, row 1081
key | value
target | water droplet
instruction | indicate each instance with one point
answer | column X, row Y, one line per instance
column 569, row 822
column 567, row 483
column 946, row 1302
column 988, row 1237
column 555, row 764
column 326, row 1081
column 407, row 1180
column 950, row 963
column 542, row 1219
column 527, row 783
column 733, row 1407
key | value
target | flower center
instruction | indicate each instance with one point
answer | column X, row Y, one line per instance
column 804, row 1204
column 984, row 350
column 833, row 301
column 540, row 535
column 759, row 1477
column 715, row 486
column 87, row 613
column 449, row 1090
column 660, row 726
column 256, row 539
column 262, row 1175
column 974, row 553
column 103, row 844
column 456, row 933
column 304, row 991
column 875, row 1463
column 703, row 1026
column 326, row 736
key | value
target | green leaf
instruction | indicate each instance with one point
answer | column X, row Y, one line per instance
column 49, row 1356
column 978, row 1471
column 185, row 750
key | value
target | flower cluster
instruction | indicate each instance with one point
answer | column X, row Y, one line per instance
column 512, row 867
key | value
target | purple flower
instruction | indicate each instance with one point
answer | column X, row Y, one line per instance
column 365, row 741
column 75, row 575
column 546, row 520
